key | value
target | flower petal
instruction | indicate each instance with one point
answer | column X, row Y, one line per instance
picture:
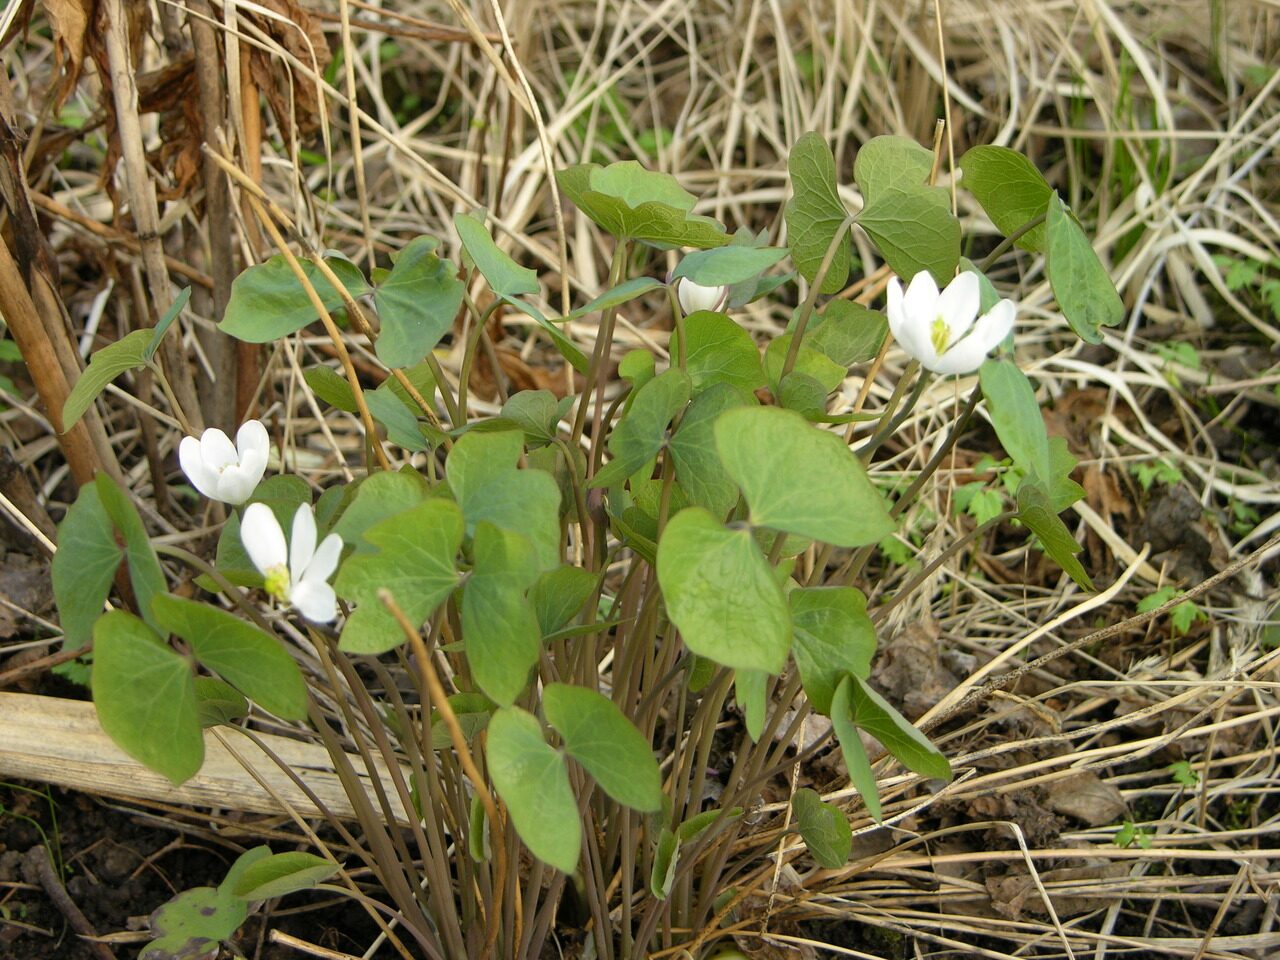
column 991, row 328
column 262, row 538
column 325, row 559
column 920, row 305
column 236, row 484
column 897, row 316
column 911, row 328
column 192, row 462
column 254, row 446
column 996, row 324
column 965, row 357
column 302, row 541
column 958, row 304
column 217, row 450
column 315, row 600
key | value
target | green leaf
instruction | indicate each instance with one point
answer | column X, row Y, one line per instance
column 416, row 304
column 127, row 353
column 1036, row 511
column 721, row 593
column 725, row 266
column 667, row 849
column 697, row 826
column 472, row 711
column 606, row 743
column 1019, row 424
column 848, row 333
column 501, row 631
column 165, row 322
column 624, row 292
column 804, row 394
column 533, row 782
column 482, row 473
column 252, row 661
column 503, row 274
column 378, row 496
column 638, row 436
column 718, row 351
column 1016, row 416
column 575, row 357
column 662, row 876
column 777, row 460
column 194, row 922
column 267, row 301
column 1011, row 190
column 633, row 203
column 219, row 702
column 145, row 573
column 815, row 213
column 420, row 377
column 415, row 562
column 638, row 367
column 403, row 427
column 833, row 637
column 146, row 697
column 283, row 873
column 699, row 470
column 1080, row 282
column 855, row 756
column 559, row 594
column 818, row 367
column 536, row 412
column 891, row 163
column 872, row 713
column 824, row 827
column 85, row 566
column 914, row 230
column 283, row 493
column 751, row 691
column 331, row 387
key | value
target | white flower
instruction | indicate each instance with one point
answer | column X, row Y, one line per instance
column 221, row 471
column 943, row 330
column 694, row 296
column 299, row 574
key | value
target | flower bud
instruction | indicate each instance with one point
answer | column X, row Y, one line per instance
column 694, row 296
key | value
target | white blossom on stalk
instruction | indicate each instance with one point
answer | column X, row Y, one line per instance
column 942, row 329
column 694, row 296
column 299, row 573
column 222, row 471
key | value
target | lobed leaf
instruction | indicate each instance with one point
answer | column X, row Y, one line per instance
column 415, row 562
column 1011, row 190
column 606, row 743
column 252, row 661
column 824, row 827
column 145, row 696
column 800, row 479
column 1080, row 282
column 532, row 780
column 815, row 213
column 721, row 593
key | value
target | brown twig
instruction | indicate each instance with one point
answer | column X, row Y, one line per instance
column 38, row 868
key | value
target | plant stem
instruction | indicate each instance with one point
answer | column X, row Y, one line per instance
column 596, row 370
column 806, row 308
column 1010, row 240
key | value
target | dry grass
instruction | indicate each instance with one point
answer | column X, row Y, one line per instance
column 1157, row 122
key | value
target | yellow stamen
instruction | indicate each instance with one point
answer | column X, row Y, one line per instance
column 940, row 336
column 277, row 582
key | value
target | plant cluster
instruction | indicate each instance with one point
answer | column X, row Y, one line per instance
column 537, row 624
